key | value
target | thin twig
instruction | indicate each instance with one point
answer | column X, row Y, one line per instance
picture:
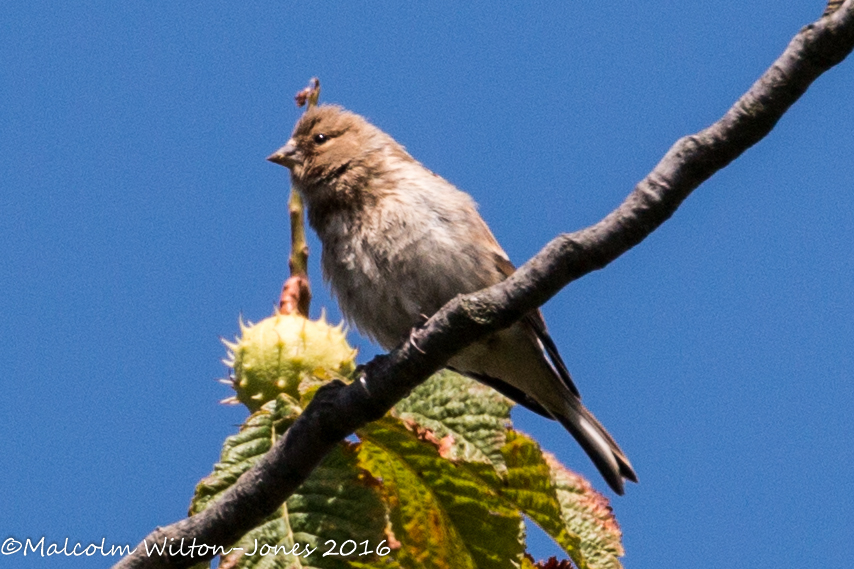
column 296, row 292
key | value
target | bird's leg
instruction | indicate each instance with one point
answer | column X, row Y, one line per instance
column 417, row 327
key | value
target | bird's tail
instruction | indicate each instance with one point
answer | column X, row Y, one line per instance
column 599, row 446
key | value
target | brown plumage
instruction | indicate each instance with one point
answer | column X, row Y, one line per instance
column 399, row 242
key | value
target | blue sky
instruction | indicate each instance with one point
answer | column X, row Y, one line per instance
column 140, row 219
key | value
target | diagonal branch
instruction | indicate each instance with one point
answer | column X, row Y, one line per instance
column 338, row 410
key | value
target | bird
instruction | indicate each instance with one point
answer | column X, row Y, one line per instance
column 399, row 241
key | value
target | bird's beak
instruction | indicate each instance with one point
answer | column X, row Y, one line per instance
column 288, row 155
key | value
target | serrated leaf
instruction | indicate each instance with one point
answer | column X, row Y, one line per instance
column 442, row 512
column 589, row 515
column 474, row 415
column 268, row 546
column 241, row 451
column 339, row 501
column 450, row 404
column 528, row 486
column 382, row 563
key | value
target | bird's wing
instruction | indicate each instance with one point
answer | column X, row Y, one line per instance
column 536, row 325
column 513, row 393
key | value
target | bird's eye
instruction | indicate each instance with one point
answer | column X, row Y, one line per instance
column 320, row 138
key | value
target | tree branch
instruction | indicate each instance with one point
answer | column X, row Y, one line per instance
column 338, row 410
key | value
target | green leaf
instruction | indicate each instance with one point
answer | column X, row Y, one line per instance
column 589, row 515
column 382, row 563
column 562, row 503
column 241, row 451
column 443, row 484
column 339, row 501
column 442, row 513
column 528, row 486
column 474, row 415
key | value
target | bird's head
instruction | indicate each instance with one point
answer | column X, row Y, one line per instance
column 326, row 142
column 340, row 161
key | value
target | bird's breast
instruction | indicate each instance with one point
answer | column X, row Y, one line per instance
column 390, row 272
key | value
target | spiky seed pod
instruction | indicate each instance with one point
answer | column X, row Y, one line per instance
column 274, row 355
